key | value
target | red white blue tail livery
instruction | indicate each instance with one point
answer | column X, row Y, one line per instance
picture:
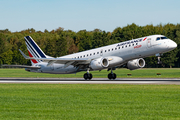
column 34, row 50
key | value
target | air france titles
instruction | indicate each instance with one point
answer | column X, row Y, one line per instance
column 129, row 42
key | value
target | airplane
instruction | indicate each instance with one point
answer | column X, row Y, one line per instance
column 130, row 53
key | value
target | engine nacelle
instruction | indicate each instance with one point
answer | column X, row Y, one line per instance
column 136, row 64
column 114, row 61
column 99, row 63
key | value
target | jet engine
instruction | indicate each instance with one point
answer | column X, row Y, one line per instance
column 136, row 64
column 99, row 63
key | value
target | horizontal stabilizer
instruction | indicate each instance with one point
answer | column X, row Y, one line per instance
column 25, row 56
column 22, row 66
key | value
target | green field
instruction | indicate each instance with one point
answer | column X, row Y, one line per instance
column 89, row 101
column 121, row 73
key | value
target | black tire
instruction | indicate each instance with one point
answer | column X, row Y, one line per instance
column 90, row 76
column 114, row 76
column 110, row 76
column 85, row 76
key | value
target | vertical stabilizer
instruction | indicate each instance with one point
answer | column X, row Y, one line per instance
column 34, row 50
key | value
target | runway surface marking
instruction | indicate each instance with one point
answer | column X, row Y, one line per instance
column 93, row 81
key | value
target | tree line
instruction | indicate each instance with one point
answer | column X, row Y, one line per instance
column 61, row 42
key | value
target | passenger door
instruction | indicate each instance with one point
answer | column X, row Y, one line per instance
column 149, row 43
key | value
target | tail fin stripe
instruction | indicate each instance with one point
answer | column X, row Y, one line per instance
column 34, row 61
column 32, row 53
column 35, row 46
column 32, row 50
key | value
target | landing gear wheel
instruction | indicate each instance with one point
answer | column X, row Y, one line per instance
column 112, row 76
column 88, row 76
column 109, row 76
column 85, row 76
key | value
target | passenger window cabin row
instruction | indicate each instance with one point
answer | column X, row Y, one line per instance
column 105, row 51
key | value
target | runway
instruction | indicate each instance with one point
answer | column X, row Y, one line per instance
column 93, row 81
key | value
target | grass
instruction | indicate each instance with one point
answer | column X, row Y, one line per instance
column 121, row 73
column 89, row 101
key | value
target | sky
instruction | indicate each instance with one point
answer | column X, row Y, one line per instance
column 76, row 15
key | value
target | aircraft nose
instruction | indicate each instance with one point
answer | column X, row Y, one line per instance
column 172, row 45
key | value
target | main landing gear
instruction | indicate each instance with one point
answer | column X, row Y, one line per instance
column 112, row 75
column 88, row 75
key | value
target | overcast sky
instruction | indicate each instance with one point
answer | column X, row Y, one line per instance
column 17, row 15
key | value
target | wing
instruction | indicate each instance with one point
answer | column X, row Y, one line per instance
column 66, row 61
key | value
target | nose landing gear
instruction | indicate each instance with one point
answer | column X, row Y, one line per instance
column 159, row 58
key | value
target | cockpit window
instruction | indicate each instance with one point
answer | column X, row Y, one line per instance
column 158, row 38
column 161, row 38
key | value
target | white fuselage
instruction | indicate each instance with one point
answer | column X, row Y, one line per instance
column 125, row 51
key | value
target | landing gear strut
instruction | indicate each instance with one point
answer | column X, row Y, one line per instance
column 111, row 75
column 88, row 75
column 159, row 58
